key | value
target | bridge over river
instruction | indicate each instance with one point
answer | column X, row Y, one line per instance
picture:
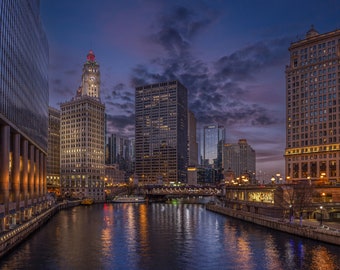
column 180, row 191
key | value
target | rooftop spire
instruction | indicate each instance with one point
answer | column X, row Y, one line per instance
column 312, row 32
column 91, row 57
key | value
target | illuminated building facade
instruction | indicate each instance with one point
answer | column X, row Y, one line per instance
column 23, row 112
column 240, row 159
column 53, row 151
column 161, row 133
column 82, row 138
column 312, row 109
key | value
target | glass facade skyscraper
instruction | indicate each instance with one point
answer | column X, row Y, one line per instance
column 212, row 145
column 161, row 133
column 23, row 111
column 23, row 69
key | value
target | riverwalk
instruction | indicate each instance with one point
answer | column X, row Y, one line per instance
column 328, row 232
column 10, row 239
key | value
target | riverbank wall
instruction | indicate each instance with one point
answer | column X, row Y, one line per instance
column 9, row 240
column 307, row 231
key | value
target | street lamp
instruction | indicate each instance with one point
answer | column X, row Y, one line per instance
column 290, row 213
column 321, row 215
column 273, row 180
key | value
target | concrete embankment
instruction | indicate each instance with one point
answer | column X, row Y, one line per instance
column 312, row 232
column 12, row 238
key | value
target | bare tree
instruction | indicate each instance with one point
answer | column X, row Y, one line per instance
column 303, row 196
column 294, row 198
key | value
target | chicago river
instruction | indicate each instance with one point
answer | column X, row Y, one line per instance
column 163, row 236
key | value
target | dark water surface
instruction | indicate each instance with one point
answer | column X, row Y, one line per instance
column 163, row 236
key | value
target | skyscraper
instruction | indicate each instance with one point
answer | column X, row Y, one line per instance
column 192, row 140
column 161, row 133
column 192, row 149
column 212, row 144
column 118, row 151
column 240, row 159
column 23, row 111
column 312, row 108
column 53, row 151
column 82, row 138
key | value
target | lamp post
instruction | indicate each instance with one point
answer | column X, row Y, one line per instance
column 321, row 215
column 278, row 177
column 273, row 180
column 290, row 213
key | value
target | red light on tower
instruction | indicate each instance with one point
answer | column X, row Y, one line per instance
column 90, row 56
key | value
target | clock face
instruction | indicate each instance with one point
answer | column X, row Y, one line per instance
column 92, row 79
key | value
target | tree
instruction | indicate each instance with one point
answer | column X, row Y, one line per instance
column 294, row 198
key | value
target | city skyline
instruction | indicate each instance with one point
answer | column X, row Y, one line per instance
column 230, row 56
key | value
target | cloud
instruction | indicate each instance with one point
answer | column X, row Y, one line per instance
column 122, row 124
column 216, row 90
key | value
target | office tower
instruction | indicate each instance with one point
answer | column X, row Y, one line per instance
column 212, row 144
column 118, row 151
column 161, row 133
column 312, row 109
column 192, row 140
column 192, row 149
column 23, row 112
column 82, row 138
column 240, row 160
column 53, row 151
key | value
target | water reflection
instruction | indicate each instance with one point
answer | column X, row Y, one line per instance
column 163, row 236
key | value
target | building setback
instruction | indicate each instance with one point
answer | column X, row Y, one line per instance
column 161, row 133
column 312, row 109
column 82, row 138
column 23, row 112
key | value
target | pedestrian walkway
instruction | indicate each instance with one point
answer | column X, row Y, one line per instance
column 327, row 225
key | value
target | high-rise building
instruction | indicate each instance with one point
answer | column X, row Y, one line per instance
column 53, row 151
column 82, row 138
column 23, row 111
column 212, row 144
column 161, row 133
column 240, row 160
column 192, row 140
column 312, row 108
column 118, row 151
column 192, row 149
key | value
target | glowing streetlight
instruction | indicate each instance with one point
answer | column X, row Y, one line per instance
column 273, row 179
column 321, row 215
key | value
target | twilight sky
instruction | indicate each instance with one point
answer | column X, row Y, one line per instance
column 231, row 56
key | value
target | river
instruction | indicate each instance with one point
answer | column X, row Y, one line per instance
column 163, row 236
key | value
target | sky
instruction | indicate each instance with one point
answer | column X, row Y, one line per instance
column 230, row 55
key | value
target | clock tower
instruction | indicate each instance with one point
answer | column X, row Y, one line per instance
column 82, row 138
column 91, row 77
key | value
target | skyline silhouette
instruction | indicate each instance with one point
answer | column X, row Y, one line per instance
column 230, row 55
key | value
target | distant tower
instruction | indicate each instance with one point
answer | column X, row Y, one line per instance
column 212, row 144
column 82, row 139
column 240, row 159
column 312, row 109
column 161, row 133
column 192, row 149
column 53, row 151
